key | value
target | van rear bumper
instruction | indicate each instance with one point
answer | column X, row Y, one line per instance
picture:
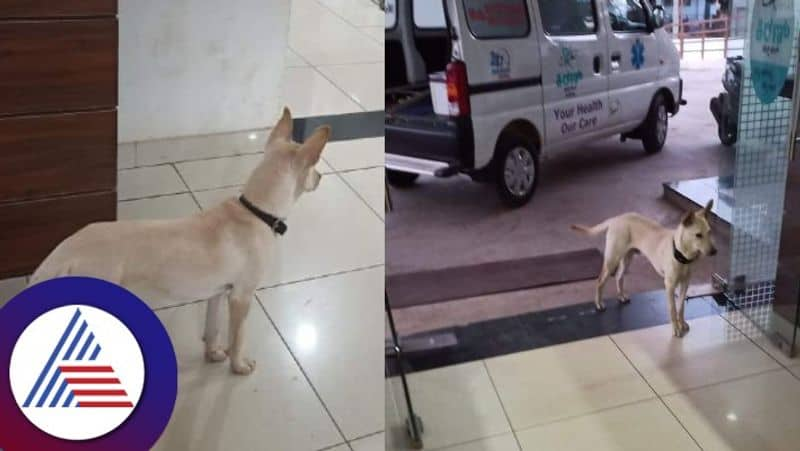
column 442, row 141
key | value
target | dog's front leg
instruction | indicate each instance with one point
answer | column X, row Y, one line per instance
column 239, row 302
column 673, row 315
column 215, row 352
column 682, row 288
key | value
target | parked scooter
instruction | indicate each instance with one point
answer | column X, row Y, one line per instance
column 725, row 107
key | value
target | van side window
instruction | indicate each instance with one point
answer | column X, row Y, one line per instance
column 627, row 16
column 565, row 17
column 497, row 19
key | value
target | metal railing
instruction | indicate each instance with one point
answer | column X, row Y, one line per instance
column 702, row 31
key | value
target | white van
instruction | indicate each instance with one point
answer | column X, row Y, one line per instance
column 488, row 87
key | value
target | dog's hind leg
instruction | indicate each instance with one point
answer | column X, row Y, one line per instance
column 215, row 352
column 621, row 269
column 598, row 295
column 611, row 260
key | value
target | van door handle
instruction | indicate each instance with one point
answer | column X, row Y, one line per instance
column 597, row 64
column 616, row 58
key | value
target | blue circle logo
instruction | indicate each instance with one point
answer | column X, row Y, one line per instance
column 90, row 367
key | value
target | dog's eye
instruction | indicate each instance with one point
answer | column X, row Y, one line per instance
column 698, row 235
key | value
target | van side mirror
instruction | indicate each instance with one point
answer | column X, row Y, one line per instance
column 658, row 16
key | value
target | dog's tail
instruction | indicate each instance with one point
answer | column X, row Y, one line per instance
column 591, row 231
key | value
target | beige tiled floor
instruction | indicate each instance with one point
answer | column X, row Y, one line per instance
column 344, row 42
column 346, row 73
column 355, row 154
column 137, row 183
column 375, row 442
column 564, row 381
column 641, row 390
column 364, row 179
column 713, row 351
column 755, row 413
column 164, row 207
column 362, row 82
column 643, row 425
column 308, row 93
column 276, row 401
column 458, row 404
column 314, row 318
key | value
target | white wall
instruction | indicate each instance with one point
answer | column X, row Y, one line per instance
column 189, row 67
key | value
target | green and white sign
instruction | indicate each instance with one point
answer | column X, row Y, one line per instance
column 771, row 33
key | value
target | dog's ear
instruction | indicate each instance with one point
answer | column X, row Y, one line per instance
column 283, row 129
column 707, row 209
column 688, row 219
column 311, row 150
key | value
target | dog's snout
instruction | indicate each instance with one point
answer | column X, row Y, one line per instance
column 713, row 251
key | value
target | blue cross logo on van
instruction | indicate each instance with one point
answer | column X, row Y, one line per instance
column 500, row 63
column 637, row 54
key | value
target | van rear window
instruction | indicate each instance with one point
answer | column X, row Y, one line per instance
column 390, row 14
column 428, row 14
column 497, row 19
column 568, row 17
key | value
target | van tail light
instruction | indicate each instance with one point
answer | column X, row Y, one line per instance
column 457, row 88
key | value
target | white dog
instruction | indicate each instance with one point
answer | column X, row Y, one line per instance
column 219, row 253
column 671, row 252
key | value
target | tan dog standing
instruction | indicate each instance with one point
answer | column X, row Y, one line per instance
column 671, row 252
column 220, row 253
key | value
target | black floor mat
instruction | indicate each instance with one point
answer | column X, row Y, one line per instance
column 550, row 327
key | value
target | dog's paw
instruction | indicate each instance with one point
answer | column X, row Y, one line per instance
column 684, row 327
column 624, row 300
column 679, row 330
column 243, row 367
column 600, row 307
column 216, row 355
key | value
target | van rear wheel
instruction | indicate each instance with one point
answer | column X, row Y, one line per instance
column 654, row 129
column 401, row 179
column 516, row 169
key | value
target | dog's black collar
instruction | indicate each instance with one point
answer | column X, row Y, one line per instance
column 679, row 256
column 276, row 224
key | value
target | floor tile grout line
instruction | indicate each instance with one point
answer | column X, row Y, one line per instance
column 328, row 448
column 322, row 74
column 239, row 154
column 323, row 276
column 221, row 187
column 337, row 14
column 154, row 196
column 756, row 344
column 292, row 282
column 363, row 200
column 192, row 160
column 191, row 193
column 203, row 190
column 341, row 89
column 453, row 445
column 660, row 399
column 502, row 405
column 581, row 415
column 302, row 370
column 362, row 437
